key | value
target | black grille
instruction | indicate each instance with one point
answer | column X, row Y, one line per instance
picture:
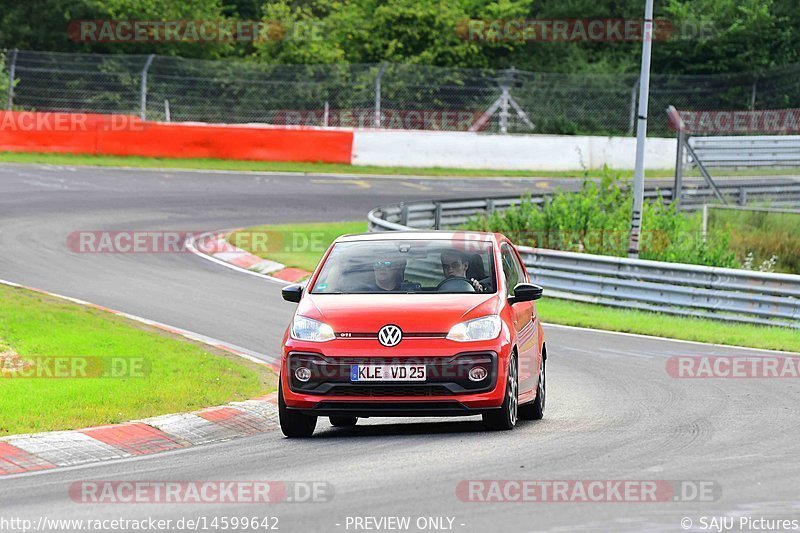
column 389, row 390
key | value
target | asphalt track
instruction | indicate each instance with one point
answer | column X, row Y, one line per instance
column 613, row 412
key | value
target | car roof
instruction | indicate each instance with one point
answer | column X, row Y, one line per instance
column 480, row 236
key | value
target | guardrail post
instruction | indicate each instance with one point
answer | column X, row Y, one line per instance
column 404, row 214
column 705, row 222
column 143, row 87
column 742, row 196
column 489, row 206
column 12, row 67
column 437, row 216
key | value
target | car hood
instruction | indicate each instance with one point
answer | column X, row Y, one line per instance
column 428, row 313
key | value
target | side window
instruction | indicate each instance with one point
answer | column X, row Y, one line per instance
column 510, row 269
column 523, row 272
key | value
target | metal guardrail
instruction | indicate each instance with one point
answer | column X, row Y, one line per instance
column 452, row 213
column 775, row 151
column 779, row 194
column 674, row 288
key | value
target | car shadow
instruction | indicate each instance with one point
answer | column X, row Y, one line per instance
column 389, row 428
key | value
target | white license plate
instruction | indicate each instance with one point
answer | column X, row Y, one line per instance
column 387, row 373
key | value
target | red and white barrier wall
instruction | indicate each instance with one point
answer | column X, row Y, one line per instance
column 128, row 136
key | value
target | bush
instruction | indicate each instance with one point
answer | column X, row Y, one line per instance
column 596, row 220
column 758, row 236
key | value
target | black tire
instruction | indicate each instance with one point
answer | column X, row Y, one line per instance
column 343, row 421
column 535, row 410
column 293, row 423
column 505, row 418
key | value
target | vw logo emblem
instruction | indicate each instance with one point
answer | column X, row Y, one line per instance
column 390, row 335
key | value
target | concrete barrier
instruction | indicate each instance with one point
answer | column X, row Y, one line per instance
column 511, row 152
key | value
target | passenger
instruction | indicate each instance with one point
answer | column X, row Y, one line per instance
column 389, row 274
column 455, row 265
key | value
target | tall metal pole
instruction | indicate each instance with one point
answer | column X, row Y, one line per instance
column 632, row 121
column 641, row 133
column 12, row 67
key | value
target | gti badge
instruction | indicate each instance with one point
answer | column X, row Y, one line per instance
column 390, row 335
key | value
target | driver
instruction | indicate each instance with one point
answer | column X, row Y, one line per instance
column 455, row 265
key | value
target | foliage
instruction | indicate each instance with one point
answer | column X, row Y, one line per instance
column 710, row 36
column 596, row 220
column 762, row 240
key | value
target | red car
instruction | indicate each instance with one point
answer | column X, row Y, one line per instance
column 414, row 324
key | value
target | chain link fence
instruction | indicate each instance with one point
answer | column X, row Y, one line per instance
column 393, row 96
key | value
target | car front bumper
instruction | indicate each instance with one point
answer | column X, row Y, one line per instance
column 331, row 393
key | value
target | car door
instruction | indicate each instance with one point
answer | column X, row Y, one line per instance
column 523, row 317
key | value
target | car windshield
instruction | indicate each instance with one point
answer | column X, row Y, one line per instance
column 411, row 266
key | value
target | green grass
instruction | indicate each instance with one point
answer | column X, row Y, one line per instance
column 180, row 375
column 329, row 168
column 576, row 313
column 294, row 245
column 314, row 168
column 661, row 325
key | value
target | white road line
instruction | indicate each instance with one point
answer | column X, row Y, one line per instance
column 655, row 338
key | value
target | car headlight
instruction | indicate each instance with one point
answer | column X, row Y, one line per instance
column 307, row 329
column 481, row 329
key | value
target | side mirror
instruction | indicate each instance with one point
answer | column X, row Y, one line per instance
column 526, row 292
column 292, row 293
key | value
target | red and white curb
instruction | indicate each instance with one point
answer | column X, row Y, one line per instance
column 20, row 454
column 43, row 451
column 215, row 247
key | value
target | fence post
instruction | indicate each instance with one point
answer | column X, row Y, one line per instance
column 12, row 67
column 674, row 119
column 143, row 88
column 705, row 222
column 377, row 120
